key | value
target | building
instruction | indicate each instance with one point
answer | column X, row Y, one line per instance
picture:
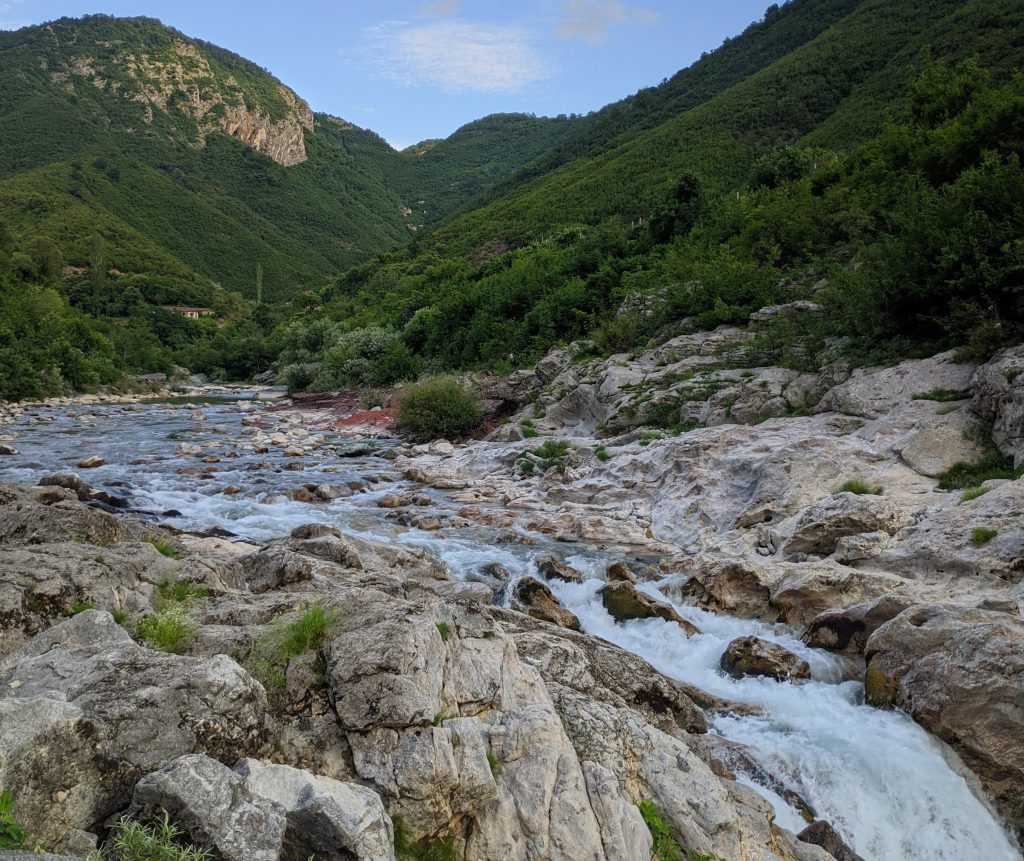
column 190, row 313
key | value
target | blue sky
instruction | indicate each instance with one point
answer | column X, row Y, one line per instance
column 416, row 69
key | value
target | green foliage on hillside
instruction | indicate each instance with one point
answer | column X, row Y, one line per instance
column 435, row 178
column 916, row 233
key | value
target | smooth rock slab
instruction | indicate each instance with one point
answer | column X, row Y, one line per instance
column 214, row 808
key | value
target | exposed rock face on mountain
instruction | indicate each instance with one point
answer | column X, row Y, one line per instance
column 182, row 79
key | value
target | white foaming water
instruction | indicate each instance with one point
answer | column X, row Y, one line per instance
column 891, row 790
column 881, row 780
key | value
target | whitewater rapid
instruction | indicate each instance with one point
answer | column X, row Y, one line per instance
column 894, row 792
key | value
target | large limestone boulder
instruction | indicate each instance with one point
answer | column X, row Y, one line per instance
column 960, row 674
column 752, row 656
column 873, row 392
column 87, row 711
column 214, row 808
column 42, row 515
column 326, row 819
column 848, row 629
column 999, row 399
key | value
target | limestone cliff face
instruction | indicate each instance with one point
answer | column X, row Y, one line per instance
column 184, row 81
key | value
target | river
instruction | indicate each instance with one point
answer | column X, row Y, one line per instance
column 893, row 792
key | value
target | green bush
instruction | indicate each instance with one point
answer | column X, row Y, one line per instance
column 170, row 630
column 12, row 834
column 666, row 846
column 132, row 840
column 982, row 535
column 437, row 408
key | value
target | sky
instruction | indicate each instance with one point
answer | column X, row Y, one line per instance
column 417, row 69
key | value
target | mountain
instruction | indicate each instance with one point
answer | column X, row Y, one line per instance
column 174, row 148
column 871, row 148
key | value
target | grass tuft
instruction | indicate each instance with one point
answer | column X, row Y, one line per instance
column 166, row 548
column 982, row 535
column 861, row 488
column 973, row 493
column 170, row 630
column 131, row 840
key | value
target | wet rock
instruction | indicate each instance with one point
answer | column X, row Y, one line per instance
column 734, row 587
column 68, row 480
column 91, row 462
column 214, row 807
column 625, row 602
column 620, row 572
column 537, row 600
column 822, row 525
column 551, row 568
column 752, row 656
column 822, row 834
column 847, row 629
column 187, row 449
column 326, row 819
column 7, row 449
column 960, row 674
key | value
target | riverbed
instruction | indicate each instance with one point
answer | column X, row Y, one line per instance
column 894, row 792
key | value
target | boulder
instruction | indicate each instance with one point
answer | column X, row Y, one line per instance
column 314, row 530
column 86, row 709
column 326, row 819
column 999, row 399
column 214, row 807
column 624, row 602
column 275, row 566
column 847, row 629
column 551, row 568
column 960, row 674
column 752, row 656
column 821, row 833
column 91, row 462
column 7, row 449
column 537, row 600
column 619, row 572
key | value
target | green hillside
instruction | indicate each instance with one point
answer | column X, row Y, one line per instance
column 828, row 154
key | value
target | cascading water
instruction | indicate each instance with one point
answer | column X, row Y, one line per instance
column 892, row 791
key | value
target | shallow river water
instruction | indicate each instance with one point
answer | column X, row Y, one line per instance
column 894, row 792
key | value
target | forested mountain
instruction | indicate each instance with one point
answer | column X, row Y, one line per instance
column 871, row 145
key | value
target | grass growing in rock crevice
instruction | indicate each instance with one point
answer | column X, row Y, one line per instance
column 12, row 834
column 982, row 535
column 132, row 840
column 165, row 548
column 287, row 639
column 170, row 630
column 973, row 493
column 861, row 488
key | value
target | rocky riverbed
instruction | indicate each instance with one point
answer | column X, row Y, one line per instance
column 301, row 636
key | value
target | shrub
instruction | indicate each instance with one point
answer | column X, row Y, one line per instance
column 666, row 847
column 861, row 488
column 982, row 535
column 170, row 630
column 166, row 548
column 602, row 454
column 494, row 764
column 133, row 841
column 438, row 407
column 973, row 493
column 12, row 834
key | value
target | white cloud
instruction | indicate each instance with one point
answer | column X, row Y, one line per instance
column 455, row 56
column 440, row 8
column 589, row 20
